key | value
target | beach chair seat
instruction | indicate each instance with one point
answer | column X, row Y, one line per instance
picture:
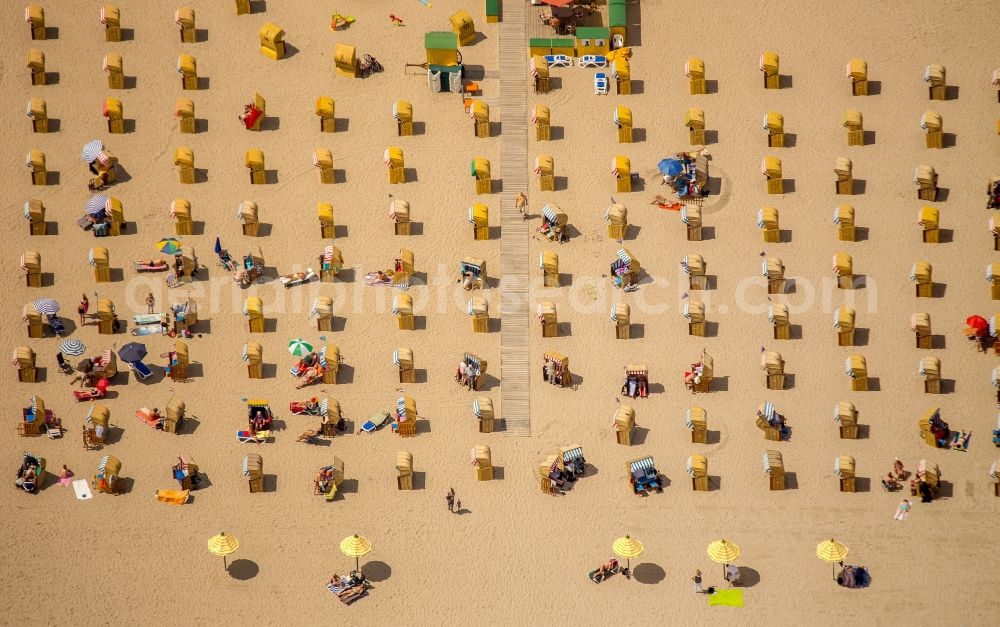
column 601, row 84
column 140, row 369
column 558, row 60
column 57, row 325
column 592, row 60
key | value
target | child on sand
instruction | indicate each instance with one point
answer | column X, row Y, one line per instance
column 903, row 510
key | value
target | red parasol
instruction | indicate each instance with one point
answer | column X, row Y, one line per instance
column 979, row 324
column 557, row 3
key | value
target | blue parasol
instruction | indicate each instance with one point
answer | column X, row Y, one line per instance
column 670, row 167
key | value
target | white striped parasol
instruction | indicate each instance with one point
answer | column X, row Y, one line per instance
column 91, row 149
column 46, row 306
column 73, row 348
column 96, row 205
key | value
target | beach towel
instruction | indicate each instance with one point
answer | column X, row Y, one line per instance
column 252, row 116
column 731, row 598
column 147, row 329
column 82, row 490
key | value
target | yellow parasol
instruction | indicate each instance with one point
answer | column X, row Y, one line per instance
column 355, row 546
column 831, row 551
column 628, row 548
column 223, row 545
column 723, row 552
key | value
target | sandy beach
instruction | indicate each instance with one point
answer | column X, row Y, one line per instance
column 513, row 555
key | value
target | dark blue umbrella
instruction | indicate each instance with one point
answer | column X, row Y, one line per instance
column 131, row 352
column 218, row 245
column 670, row 167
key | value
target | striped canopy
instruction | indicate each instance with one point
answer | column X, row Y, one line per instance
column 646, row 463
column 627, row 547
column 831, row 551
column 96, row 205
column 72, row 348
column 223, row 545
column 91, row 149
column 355, row 546
column 46, row 306
column 723, row 552
column 624, row 256
column 766, row 411
column 168, row 245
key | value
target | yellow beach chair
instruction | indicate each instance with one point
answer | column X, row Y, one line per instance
column 393, row 160
column 323, row 160
column 38, row 113
column 184, row 160
column 345, row 61
column 36, row 65
column 925, row 178
column 180, row 211
column 921, row 275
column 545, row 169
column 843, row 168
column 843, row 322
column 773, row 270
column 184, row 18
column 771, row 169
column 694, row 69
column 846, row 416
column 254, row 162
column 929, row 221
column 843, row 218
column 253, row 357
column 774, row 470
column 541, row 119
column 547, row 315
column 843, row 269
column 184, row 112
column 696, row 420
column 34, row 15
column 857, row 369
column 480, row 170
column 34, row 213
column 187, row 67
column 621, row 315
column 767, row 221
column 931, row 123
column 623, row 121
column 402, row 112
column 621, row 169
column 694, row 119
column 35, row 160
column 480, row 114
column 769, row 64
column 325, row 111
column 112, row 19
column 857, row 72
column 272, row 41
column 774, row 124
column 113, row 111
column 854, row 123
column 934, row 76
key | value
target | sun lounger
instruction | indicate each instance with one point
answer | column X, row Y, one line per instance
column 371, row 426
column 291, row 280
column 593, row 60
column 300, row 408
column 146, row 416
column 140, row 369
column 57, row 325
column 148, row 267
column 87, row 395
column 601, row 84
column 248, row 437
column 558, row 60
column 173, row 497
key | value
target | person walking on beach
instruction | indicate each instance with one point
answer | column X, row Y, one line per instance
column 521, row 202
column 82, row 309
column 697, row 582
column 903, row 510
column 150, row 302
column 450, row 497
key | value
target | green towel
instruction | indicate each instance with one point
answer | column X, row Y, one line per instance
column 732, row 598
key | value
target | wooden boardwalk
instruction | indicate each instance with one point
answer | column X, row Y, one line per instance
column 514, row 346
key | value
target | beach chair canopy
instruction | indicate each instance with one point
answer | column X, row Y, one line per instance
column 928, row 218
column 404, row 463
column 252, row 352
column 540, row 115
column 843, row 167
column 697, row 466
column 928, row 472
column 539, row 67
column 925, row 176
column 843, row 466
column 36, row 60
column 691, row 215
column 930, row 121
column 323, row 158
column 843, row 318
column 572, row 453
column 556, row 216
column 857, row 69
column 480, row 111
column 98, row 257
column 853, row 120
column 694, row 311
column 403, row 358
column 621, row 313
column 544, row 165
column 694, row 68
column 843, row 264
column 930, row 368
column 636, row 370
column 777, row 314
column 478, row 306
column 481, row 455
column 406, row 408
column 113, row 63
column 845, row 413
column 186, row 65
column 34, row 15
column 774, row 465
column 549, row 262
column 324, row 212
column 480, row 168
column 767, row 218
column 993, row 272
column 621, row 167
column 843, row 215
column 641, row 466
column 772, row 362
column 35, row 159
column 246, row 212
column 482, row 408
column 696, row 419
column 694, row 119
column 616, row 214
column 934, row 74
column 774, row 122
column 109, row 467
column 623, row 117
column 772, row 268
column 184, row 16
column 921, row 323
column 97, row 415
column 771, row 167
column 181, row 353
column 254, row 159
column 345, row 56
column 402, row 110
column 856, row 366
column 693, row 265
column 768, row 62
column 253, row 466
column 624, row 418
column 402, row 304
column 546, row 311
column 620, row 69
column 325, row 106
column 921, row 272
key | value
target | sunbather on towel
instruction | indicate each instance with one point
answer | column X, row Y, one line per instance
column 960, row 440
column 311, row 376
